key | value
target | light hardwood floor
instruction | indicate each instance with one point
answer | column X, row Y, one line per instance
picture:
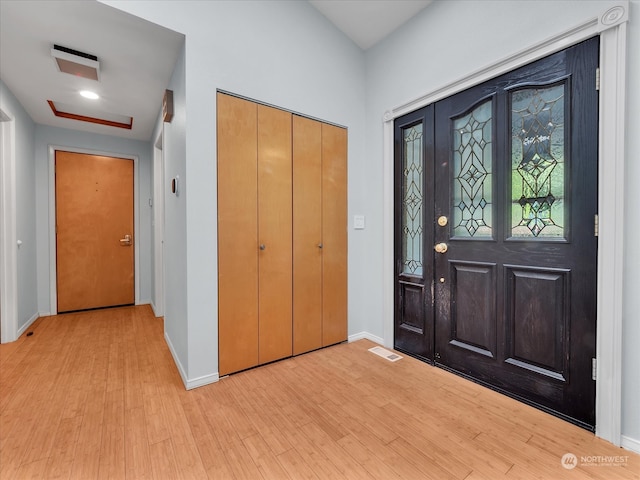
column 97, row 395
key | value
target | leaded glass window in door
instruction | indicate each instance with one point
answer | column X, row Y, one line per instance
column 412, row 196
column 473, row 173
column 538, row 162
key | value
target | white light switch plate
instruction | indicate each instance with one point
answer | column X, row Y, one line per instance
column 358, row 222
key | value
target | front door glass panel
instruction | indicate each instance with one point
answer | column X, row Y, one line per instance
column 472, row 173
column 538, row 162
column 412, row 194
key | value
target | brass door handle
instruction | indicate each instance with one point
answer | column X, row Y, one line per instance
column 126, row 241
column 441, row 247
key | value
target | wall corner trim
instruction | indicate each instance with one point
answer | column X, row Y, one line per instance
column 189, row 384
column 365, row 335
column 202, row 381
column 632, row 444
column 26, row 326
column 181, row 370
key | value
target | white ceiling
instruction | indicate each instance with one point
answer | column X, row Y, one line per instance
column 136, row 57
column 368, row 22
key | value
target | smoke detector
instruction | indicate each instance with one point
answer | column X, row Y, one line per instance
column 76, row 63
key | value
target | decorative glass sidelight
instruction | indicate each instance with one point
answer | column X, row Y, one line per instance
column 412, row 194
column 472, row 173
column 538, row 167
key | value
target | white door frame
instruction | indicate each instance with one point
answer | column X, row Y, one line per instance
column 611, row 25
column 53, row 289
column 158, row 225
column 8, row 230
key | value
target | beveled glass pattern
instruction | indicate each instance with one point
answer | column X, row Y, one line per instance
column 538, row 167
column 412, row 181
column 472, row 173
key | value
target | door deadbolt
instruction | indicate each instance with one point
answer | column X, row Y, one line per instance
column 441, row 248
column 442, row 220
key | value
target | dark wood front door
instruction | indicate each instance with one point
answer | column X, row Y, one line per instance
column 513, row 248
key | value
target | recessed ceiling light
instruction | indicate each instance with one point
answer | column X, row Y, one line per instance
column 89, row 94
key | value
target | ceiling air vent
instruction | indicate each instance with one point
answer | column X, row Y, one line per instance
column 76, row 63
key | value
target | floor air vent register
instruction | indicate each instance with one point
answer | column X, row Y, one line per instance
column 386, row 354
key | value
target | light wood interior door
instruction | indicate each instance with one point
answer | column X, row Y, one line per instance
column 334, row 234
column 274, row 234
column 237, row 234
column 307, row 234
column 94, row 225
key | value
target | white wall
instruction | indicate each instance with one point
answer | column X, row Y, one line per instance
column 25, row 206
column 279, row 52
column 449, row 40
column 175, row 207
column 60, row 137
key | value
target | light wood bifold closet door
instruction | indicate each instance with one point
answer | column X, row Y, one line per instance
column 334, row 234
column 319, row 234
column 281, row 198
column 274, row 234
column 307, row 234
column 237, row 234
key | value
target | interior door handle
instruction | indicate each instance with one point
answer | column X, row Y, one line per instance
column 126, row 241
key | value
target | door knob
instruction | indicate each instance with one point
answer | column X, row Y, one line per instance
column 263, row 246
column 319, row 245
column 441, row 247
column 126, row 241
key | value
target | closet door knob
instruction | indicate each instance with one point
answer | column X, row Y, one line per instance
column 263, row 246
column 319, row 245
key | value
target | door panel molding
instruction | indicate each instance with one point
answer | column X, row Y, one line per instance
column 53, row 293
column 412, row 296
column 522, row 282
column 611, row 26
column 473, row 313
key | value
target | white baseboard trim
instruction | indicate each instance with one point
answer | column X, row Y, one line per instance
column 153, row 307
column 630, row 444
column 202, row 381
column 28, row 324
column 359, row 336
column 189, row 384
column 181, row 371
